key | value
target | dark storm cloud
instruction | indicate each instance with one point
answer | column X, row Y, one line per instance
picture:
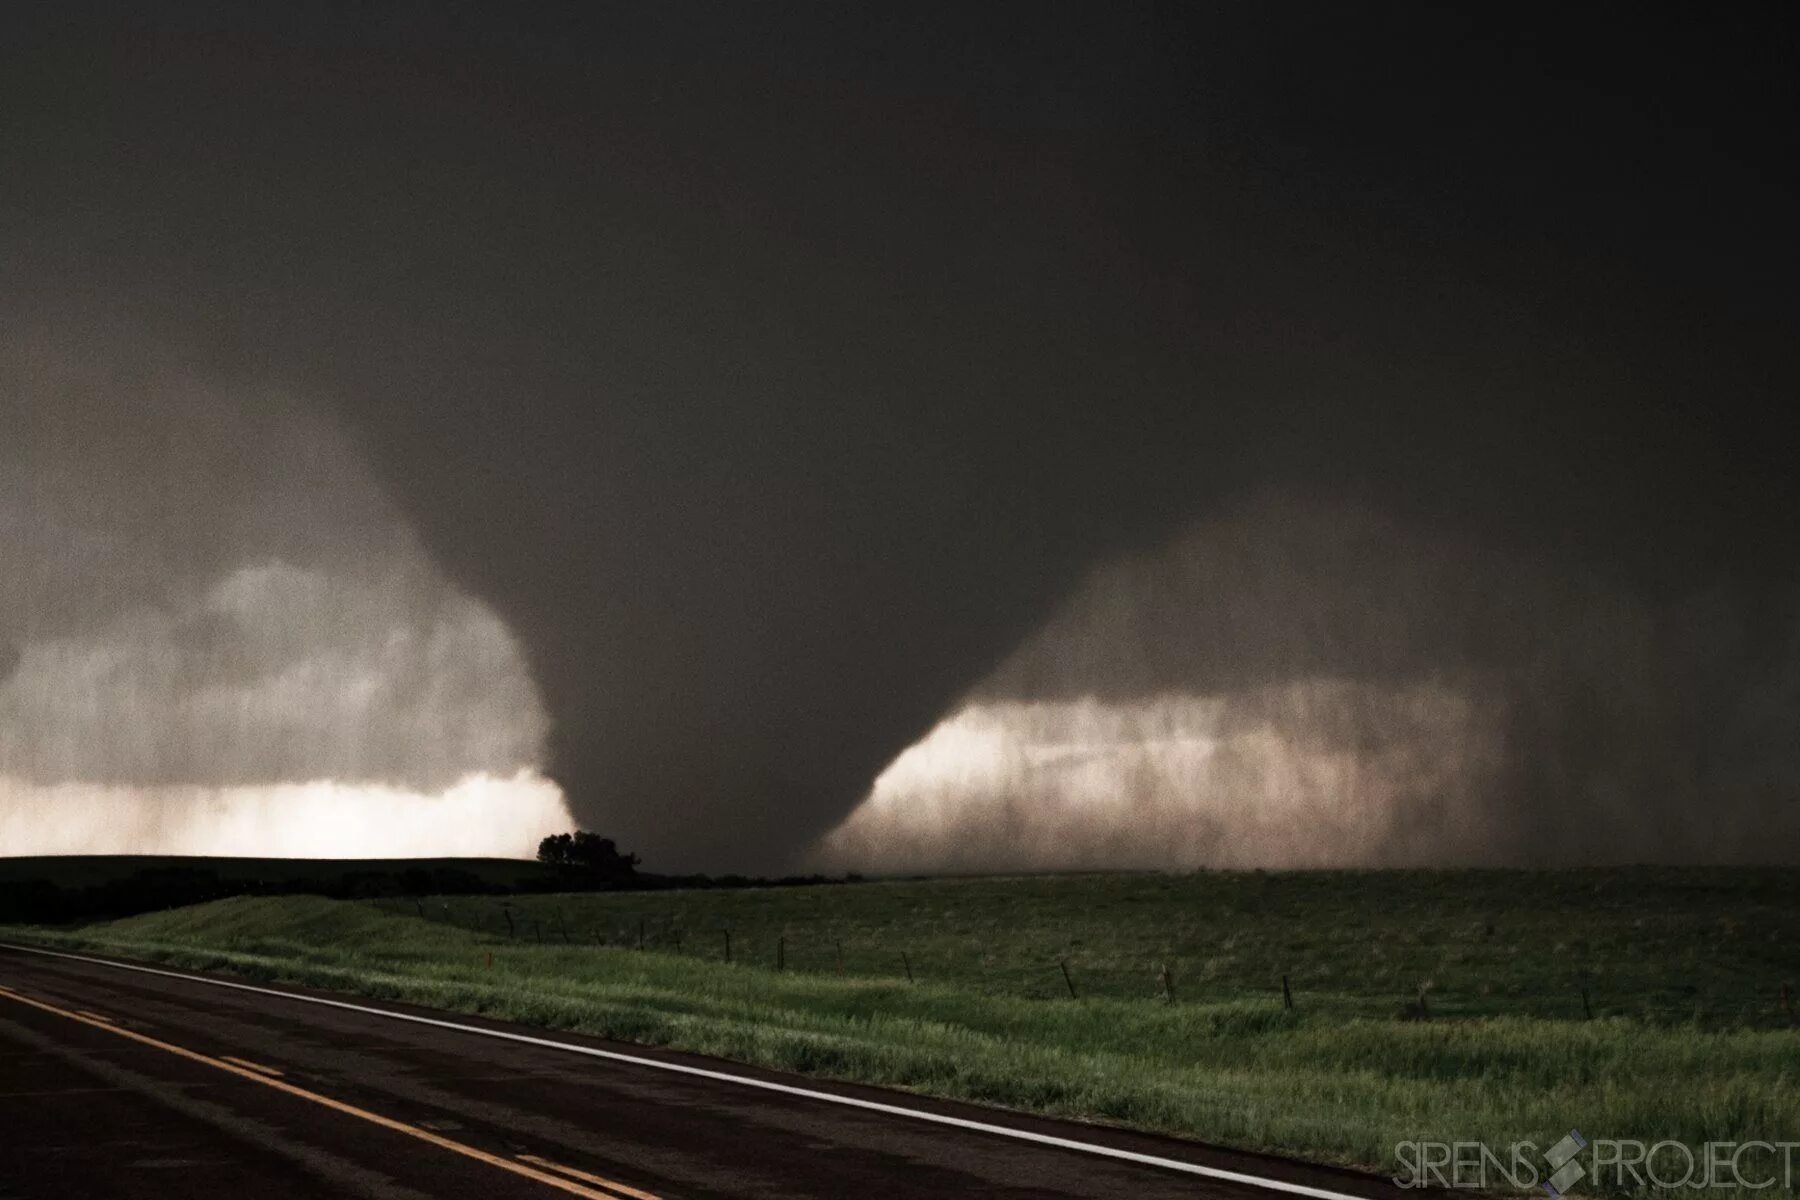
column 204, row 587
column 772, row 375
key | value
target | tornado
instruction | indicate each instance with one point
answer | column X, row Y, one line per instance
column 775, row 377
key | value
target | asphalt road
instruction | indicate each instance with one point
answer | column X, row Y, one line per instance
column 117, row 1083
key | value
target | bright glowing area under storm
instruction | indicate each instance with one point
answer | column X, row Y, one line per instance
column 481, row 815
column 218, row 636
column 1174, row 781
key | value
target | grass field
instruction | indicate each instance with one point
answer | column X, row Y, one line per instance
column 1668, row 946
column 1689, row 1039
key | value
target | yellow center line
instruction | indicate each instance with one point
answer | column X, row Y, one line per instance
column 95, row 1016
column 254, row 1066
column 280, row 1085
column 589, row 1177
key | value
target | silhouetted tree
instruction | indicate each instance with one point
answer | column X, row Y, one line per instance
column 588, row 854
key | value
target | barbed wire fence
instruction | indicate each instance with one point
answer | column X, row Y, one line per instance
column 1021, row 966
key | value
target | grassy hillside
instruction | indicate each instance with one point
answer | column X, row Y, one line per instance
column 64, row 890
column 1667, row 945
column 90, row 870
column 1342, row 1077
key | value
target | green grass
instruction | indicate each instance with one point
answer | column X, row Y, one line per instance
column 1340, row 1078
column 1662, row 945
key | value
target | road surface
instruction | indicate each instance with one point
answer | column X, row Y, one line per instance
column 121, row 1083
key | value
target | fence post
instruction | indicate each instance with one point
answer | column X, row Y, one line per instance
column 781, row 953
column 907, row 963
column 510, row 931
column 840, row 956
column 640, row 933
column 1287, row 995
column 1587, row 1010
column 727, row 945
column 1168, row 985
column 1065, row 974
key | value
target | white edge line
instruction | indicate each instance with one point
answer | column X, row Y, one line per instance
column 768, row 1085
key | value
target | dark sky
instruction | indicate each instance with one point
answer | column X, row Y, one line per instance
column 773, row 373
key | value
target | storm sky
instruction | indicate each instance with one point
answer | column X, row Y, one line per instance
column 704, row 403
